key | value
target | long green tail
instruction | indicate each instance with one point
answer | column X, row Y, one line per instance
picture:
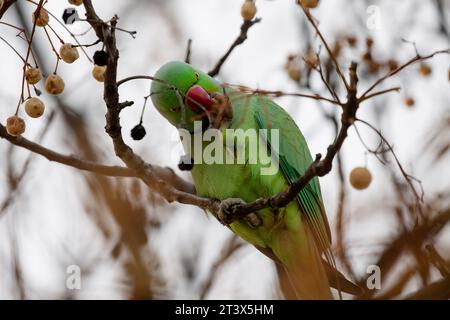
column 302, row 274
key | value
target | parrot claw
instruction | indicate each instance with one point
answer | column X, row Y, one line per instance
column 227, row 210
column 227, row 213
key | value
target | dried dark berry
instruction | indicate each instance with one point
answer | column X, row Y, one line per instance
column 186, row 163
column 70, row 15
column 205, row 124
column 100, row 58
column 138, row 132
column 37, row 91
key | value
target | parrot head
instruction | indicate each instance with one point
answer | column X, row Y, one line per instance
column 183, row 94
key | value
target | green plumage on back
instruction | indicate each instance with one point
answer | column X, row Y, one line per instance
column 295, row 158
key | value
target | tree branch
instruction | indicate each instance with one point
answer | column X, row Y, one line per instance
column 246, row 25
column 164, row 173
column 146, row 172
column 66, row 160
column 325, row 43
column 439, row 290
column 394, row 72
column 227, row 252
column 5, row 7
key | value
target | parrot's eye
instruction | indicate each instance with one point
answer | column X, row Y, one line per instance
column 175, row 109
column 198, row 99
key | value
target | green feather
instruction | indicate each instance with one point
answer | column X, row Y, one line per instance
column 295, row 158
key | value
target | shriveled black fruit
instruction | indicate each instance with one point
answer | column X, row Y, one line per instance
column 100, row 58
column 70, row 15
column 138, row 132
column 186, row 163
column 205, row 123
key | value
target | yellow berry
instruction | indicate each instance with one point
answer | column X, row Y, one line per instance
column 337, row 49
column 76, row 2
column 42, row 19
column 54, row 84
column 294, row 73
column 311, row 59
column 33, row 75
column 409, row 102
column 34, row 107
column 68, row 53
column 310, row 4
column 352, row 41
column 367, row 57
column 425, row 70
column 373, row 67
column 15, row 126
column 392, row 65
column 248, row 10
column 99, row 73
column 360, row 178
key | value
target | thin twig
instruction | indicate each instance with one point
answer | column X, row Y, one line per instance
column 86, row 165
column 408, row 177
column 246, row 25
column 379, row 93
column 187, row 57
column 325, row 43
column 230, row 249
column 400, row 68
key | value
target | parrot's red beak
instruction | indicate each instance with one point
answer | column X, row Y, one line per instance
column 198, row 99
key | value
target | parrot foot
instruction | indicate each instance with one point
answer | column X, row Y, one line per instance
column 227, row 212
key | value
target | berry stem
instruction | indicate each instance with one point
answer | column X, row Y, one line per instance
column 30, row 41
column 29, row 91
column 54, row 50
column 143, row 109
column 14, row 49
column 56, row 34
column 87, row 45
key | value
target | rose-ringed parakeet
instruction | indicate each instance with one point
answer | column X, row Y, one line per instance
column 296, row 236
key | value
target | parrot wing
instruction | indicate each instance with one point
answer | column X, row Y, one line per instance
column 294, row 158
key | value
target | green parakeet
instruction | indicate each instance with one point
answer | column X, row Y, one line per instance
column 296, row 236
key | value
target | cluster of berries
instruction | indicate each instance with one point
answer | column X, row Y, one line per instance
column 248, row 8
column 54, row 84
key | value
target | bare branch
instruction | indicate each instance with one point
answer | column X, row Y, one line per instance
column 379, row 93
column 325, row 43
column 409, row 179
column 71, row 161
column 246, row 25
column 111, row 96
column 439, row 290
column 5, row 7
column 187, row 57
column 231, row 247
column 163, row 173
column 400, row 68
column 279, row 93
